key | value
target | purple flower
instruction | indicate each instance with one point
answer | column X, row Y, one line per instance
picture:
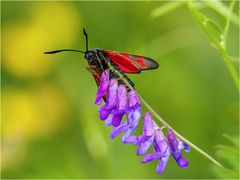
column 119, row 102
column 176, row 146
column 102, row 89
column 106, row 109
column 121, row 105
column 163, row 147
column 133, row 115
column 148, row 134
column 161, row 151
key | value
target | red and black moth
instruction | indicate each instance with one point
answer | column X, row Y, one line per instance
column 100, row 60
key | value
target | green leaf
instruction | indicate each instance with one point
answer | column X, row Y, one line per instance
column 215, row 34
column 219, row 7
column 234, row 140
column 211, row 29
column 226, row 28
column 166, row 8
column 229, row 154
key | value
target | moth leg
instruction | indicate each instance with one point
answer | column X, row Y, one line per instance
column 99, row 62
column 91, row 69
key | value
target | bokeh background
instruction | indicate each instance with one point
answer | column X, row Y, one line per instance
column 50, row 126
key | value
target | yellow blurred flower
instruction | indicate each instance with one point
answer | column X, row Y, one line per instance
column 53, row 25
column 30, row 114
column 20, row 115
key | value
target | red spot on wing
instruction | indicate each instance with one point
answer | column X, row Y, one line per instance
column 129, row 63
column 140, row 61
column 122, row 61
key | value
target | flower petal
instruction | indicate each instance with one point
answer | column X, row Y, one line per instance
column 176, row 153
column 102, row 89
column 151, row 157
column 134, row 102
column 117, row 130
column 183, row 145
column 182, row 162
column 135, row 140
column 112, row 94
column 128, row 133
column 160, row 142
column 163, row 162
column 121, row 105
column 108, row 121
column 146, row 142
column 133, row 120
column 106, row 109
column 148, row 128
column 104, row 112
column 134, row 116
column 116, row 120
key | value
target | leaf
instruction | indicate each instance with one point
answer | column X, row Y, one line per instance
column 166, row 8
column 223, row 10
column 211, row 29
column 234, row 140
column 229, row 154
column 215, row 34
column 226, row 28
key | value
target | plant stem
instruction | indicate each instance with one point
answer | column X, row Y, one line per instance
column 219, row 7
column 166, row 8
column 180, row 136
column 230, row 67
column 219, row 44
column 164, row 122
column 225, row 32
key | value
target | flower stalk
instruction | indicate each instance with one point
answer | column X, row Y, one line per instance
column 122, row 98
column 180, row 136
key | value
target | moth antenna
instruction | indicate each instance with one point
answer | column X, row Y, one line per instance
column 86, row 36
column 62, row 50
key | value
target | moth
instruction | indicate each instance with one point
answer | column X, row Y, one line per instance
column 120, row 63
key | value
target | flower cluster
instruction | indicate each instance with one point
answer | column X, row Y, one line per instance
column 122, row 101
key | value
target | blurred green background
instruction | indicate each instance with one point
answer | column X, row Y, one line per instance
column 50, row 125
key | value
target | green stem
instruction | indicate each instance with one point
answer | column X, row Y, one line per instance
column 180, row 136
column 219, row 7
column 230, row 67
column 219, row 44
column 166, row 8
column 225, row 32
column 223, row 50
column 154, row 113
